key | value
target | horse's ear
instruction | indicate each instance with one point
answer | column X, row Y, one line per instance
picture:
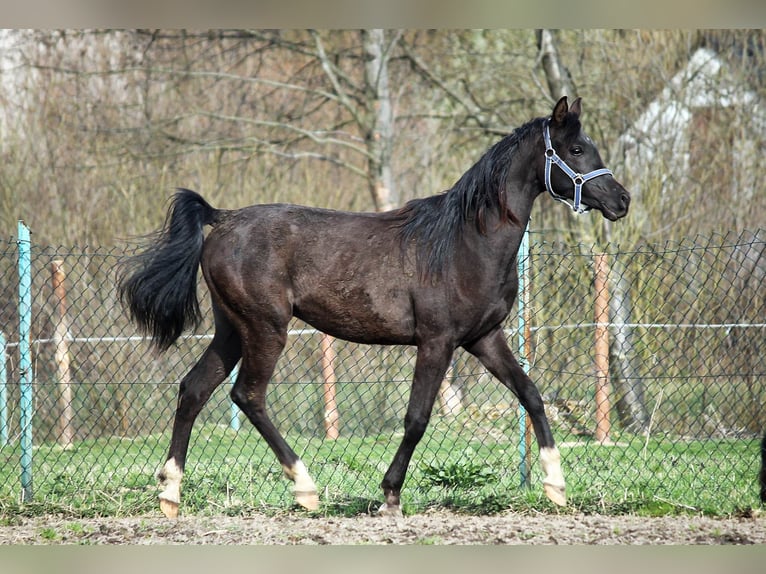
column 560, row 110
column 576, row 107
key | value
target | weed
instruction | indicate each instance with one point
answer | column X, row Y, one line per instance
column 76, row 528
column 430, row 541
column 48, row 534
column 459, row 475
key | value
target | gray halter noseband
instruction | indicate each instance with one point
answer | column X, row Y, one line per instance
column 578, row 179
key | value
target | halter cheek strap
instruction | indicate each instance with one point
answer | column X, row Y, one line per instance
column 578, row 179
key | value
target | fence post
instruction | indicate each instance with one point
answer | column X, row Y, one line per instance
column 3, row 394
column 329, row 392
column 25, row 359
column 601, row 349
column 450, row 394
column 525, row 427
column 61, row 342
column 234, row 409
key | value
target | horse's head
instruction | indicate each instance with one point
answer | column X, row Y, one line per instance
column 572, row 168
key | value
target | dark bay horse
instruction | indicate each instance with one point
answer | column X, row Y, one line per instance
column 438, row 273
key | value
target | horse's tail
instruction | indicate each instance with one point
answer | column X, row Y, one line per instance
column 159, row 285
column 762, row 474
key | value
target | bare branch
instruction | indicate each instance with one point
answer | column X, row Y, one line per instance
column 473, row 110
column 322, row 137
column 332, row 74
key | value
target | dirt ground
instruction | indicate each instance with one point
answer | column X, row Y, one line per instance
column 433, row 527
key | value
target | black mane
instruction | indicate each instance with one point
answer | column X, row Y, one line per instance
column 436, row 223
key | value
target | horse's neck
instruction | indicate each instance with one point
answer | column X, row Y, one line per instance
column 504, row 238
column 524, row 188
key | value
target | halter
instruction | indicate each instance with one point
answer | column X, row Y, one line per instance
column 578, row 179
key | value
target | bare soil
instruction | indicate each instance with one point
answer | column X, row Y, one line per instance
column 432, row 527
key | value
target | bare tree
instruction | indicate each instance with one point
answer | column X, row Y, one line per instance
column 559, row 79
column 629, row 387
column 380, row 114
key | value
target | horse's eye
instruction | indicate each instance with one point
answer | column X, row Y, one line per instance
column 576, row 150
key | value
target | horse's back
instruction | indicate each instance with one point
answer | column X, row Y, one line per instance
column 342, row 272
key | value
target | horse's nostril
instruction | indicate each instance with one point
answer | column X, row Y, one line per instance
column 625, row 199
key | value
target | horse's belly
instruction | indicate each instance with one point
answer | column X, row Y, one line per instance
column 360, row 316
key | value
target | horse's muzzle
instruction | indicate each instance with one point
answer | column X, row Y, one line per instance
column 614, row 204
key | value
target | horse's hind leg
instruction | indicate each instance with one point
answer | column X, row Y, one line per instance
column 494, row 353
column 195, row 389
column 262, row 347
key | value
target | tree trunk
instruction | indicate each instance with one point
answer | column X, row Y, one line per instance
column 380, row 128
column 627, row 384
column 559, row 80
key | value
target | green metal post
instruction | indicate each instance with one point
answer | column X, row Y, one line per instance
column 25, row 359
column 234, row 412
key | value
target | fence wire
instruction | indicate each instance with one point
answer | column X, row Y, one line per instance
column 683, row 404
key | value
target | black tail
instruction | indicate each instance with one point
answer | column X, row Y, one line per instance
column 159, row 284
column 762, row 474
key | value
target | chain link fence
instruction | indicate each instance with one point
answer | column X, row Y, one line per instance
column 669, row 420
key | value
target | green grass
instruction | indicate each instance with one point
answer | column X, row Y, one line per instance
column 455, row 467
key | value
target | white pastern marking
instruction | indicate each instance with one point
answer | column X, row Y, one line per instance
column 172, row 482
column 305, row 490
column 300, row 476
column 550, row 460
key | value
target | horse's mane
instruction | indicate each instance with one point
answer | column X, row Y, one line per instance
column 436, row 223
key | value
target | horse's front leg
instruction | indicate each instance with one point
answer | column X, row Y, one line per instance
column 430, row 367
column 493, row 352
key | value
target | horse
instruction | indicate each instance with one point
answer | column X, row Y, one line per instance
column 437, row 273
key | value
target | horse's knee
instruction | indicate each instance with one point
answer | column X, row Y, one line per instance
column 415, row 427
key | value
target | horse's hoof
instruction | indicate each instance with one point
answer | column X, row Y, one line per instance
column 392, row 510
column 169, row 508
column 308, row 500
column 556, row 494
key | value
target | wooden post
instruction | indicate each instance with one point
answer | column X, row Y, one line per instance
column 331, row 417
column 450, row 395
column 61, row 339
column 528, row 428
column 601, row 350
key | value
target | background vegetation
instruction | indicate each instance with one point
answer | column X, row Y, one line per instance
column 99, row 126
